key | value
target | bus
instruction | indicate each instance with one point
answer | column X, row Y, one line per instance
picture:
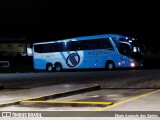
column 107, row 51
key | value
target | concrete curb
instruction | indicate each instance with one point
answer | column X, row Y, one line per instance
column 67, row 93
column 64, row 103
column 54, row 96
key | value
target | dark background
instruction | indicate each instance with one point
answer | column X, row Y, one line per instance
column 45, row 20
column 59, row 19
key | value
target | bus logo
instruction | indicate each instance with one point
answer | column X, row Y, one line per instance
column 73, row 60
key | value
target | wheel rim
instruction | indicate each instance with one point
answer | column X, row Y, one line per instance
column 110, row 66
column 50, row 68
column 58, row 68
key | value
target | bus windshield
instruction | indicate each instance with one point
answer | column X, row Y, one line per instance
column 127, row 50
column 124, row 49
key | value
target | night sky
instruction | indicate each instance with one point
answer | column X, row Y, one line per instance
column 59, row 19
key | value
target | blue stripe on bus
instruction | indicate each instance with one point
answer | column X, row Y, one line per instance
column 40, row 64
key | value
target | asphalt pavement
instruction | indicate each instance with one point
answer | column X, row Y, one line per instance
column 129, row 90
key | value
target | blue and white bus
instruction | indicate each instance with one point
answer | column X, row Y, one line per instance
column 107, row 51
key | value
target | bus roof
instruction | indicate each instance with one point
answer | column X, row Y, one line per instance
column 85, row 38
column 99, row 36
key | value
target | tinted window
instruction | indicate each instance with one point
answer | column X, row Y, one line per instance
column 78, row 45
column 67, row 46
column 38, row 48
column 57, row 47
column 124, row 49
column 91, row 44
column 52, row 47
column 45, row 48
column 104, row 44
column 74, row 46
column 123, row 39
column 98, row 44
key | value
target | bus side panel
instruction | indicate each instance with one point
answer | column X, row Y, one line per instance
column 98, row 58
column 39, row 61
column 86, row 58
column 70, row 59
column 40, row 64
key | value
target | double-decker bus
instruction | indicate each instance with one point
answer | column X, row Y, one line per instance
column 107, row 51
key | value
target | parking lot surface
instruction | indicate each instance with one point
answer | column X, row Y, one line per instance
column 128, row 90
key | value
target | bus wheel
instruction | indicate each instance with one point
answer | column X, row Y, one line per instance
column 110, row 65
column 58, row 67
column 49, row 67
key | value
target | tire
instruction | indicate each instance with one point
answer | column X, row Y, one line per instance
column 110, row 65
column 58, row 67
column 49, row 67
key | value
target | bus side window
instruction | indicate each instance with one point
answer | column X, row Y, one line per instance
column 51, row 47
column 105, row 44
column 102, row 44
column 69, row 46
column 58, row 47
column 45, row 48
column 91, row 44
column 38, row 48
column 78, row 45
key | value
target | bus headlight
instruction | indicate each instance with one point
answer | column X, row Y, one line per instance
column 132, row 64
